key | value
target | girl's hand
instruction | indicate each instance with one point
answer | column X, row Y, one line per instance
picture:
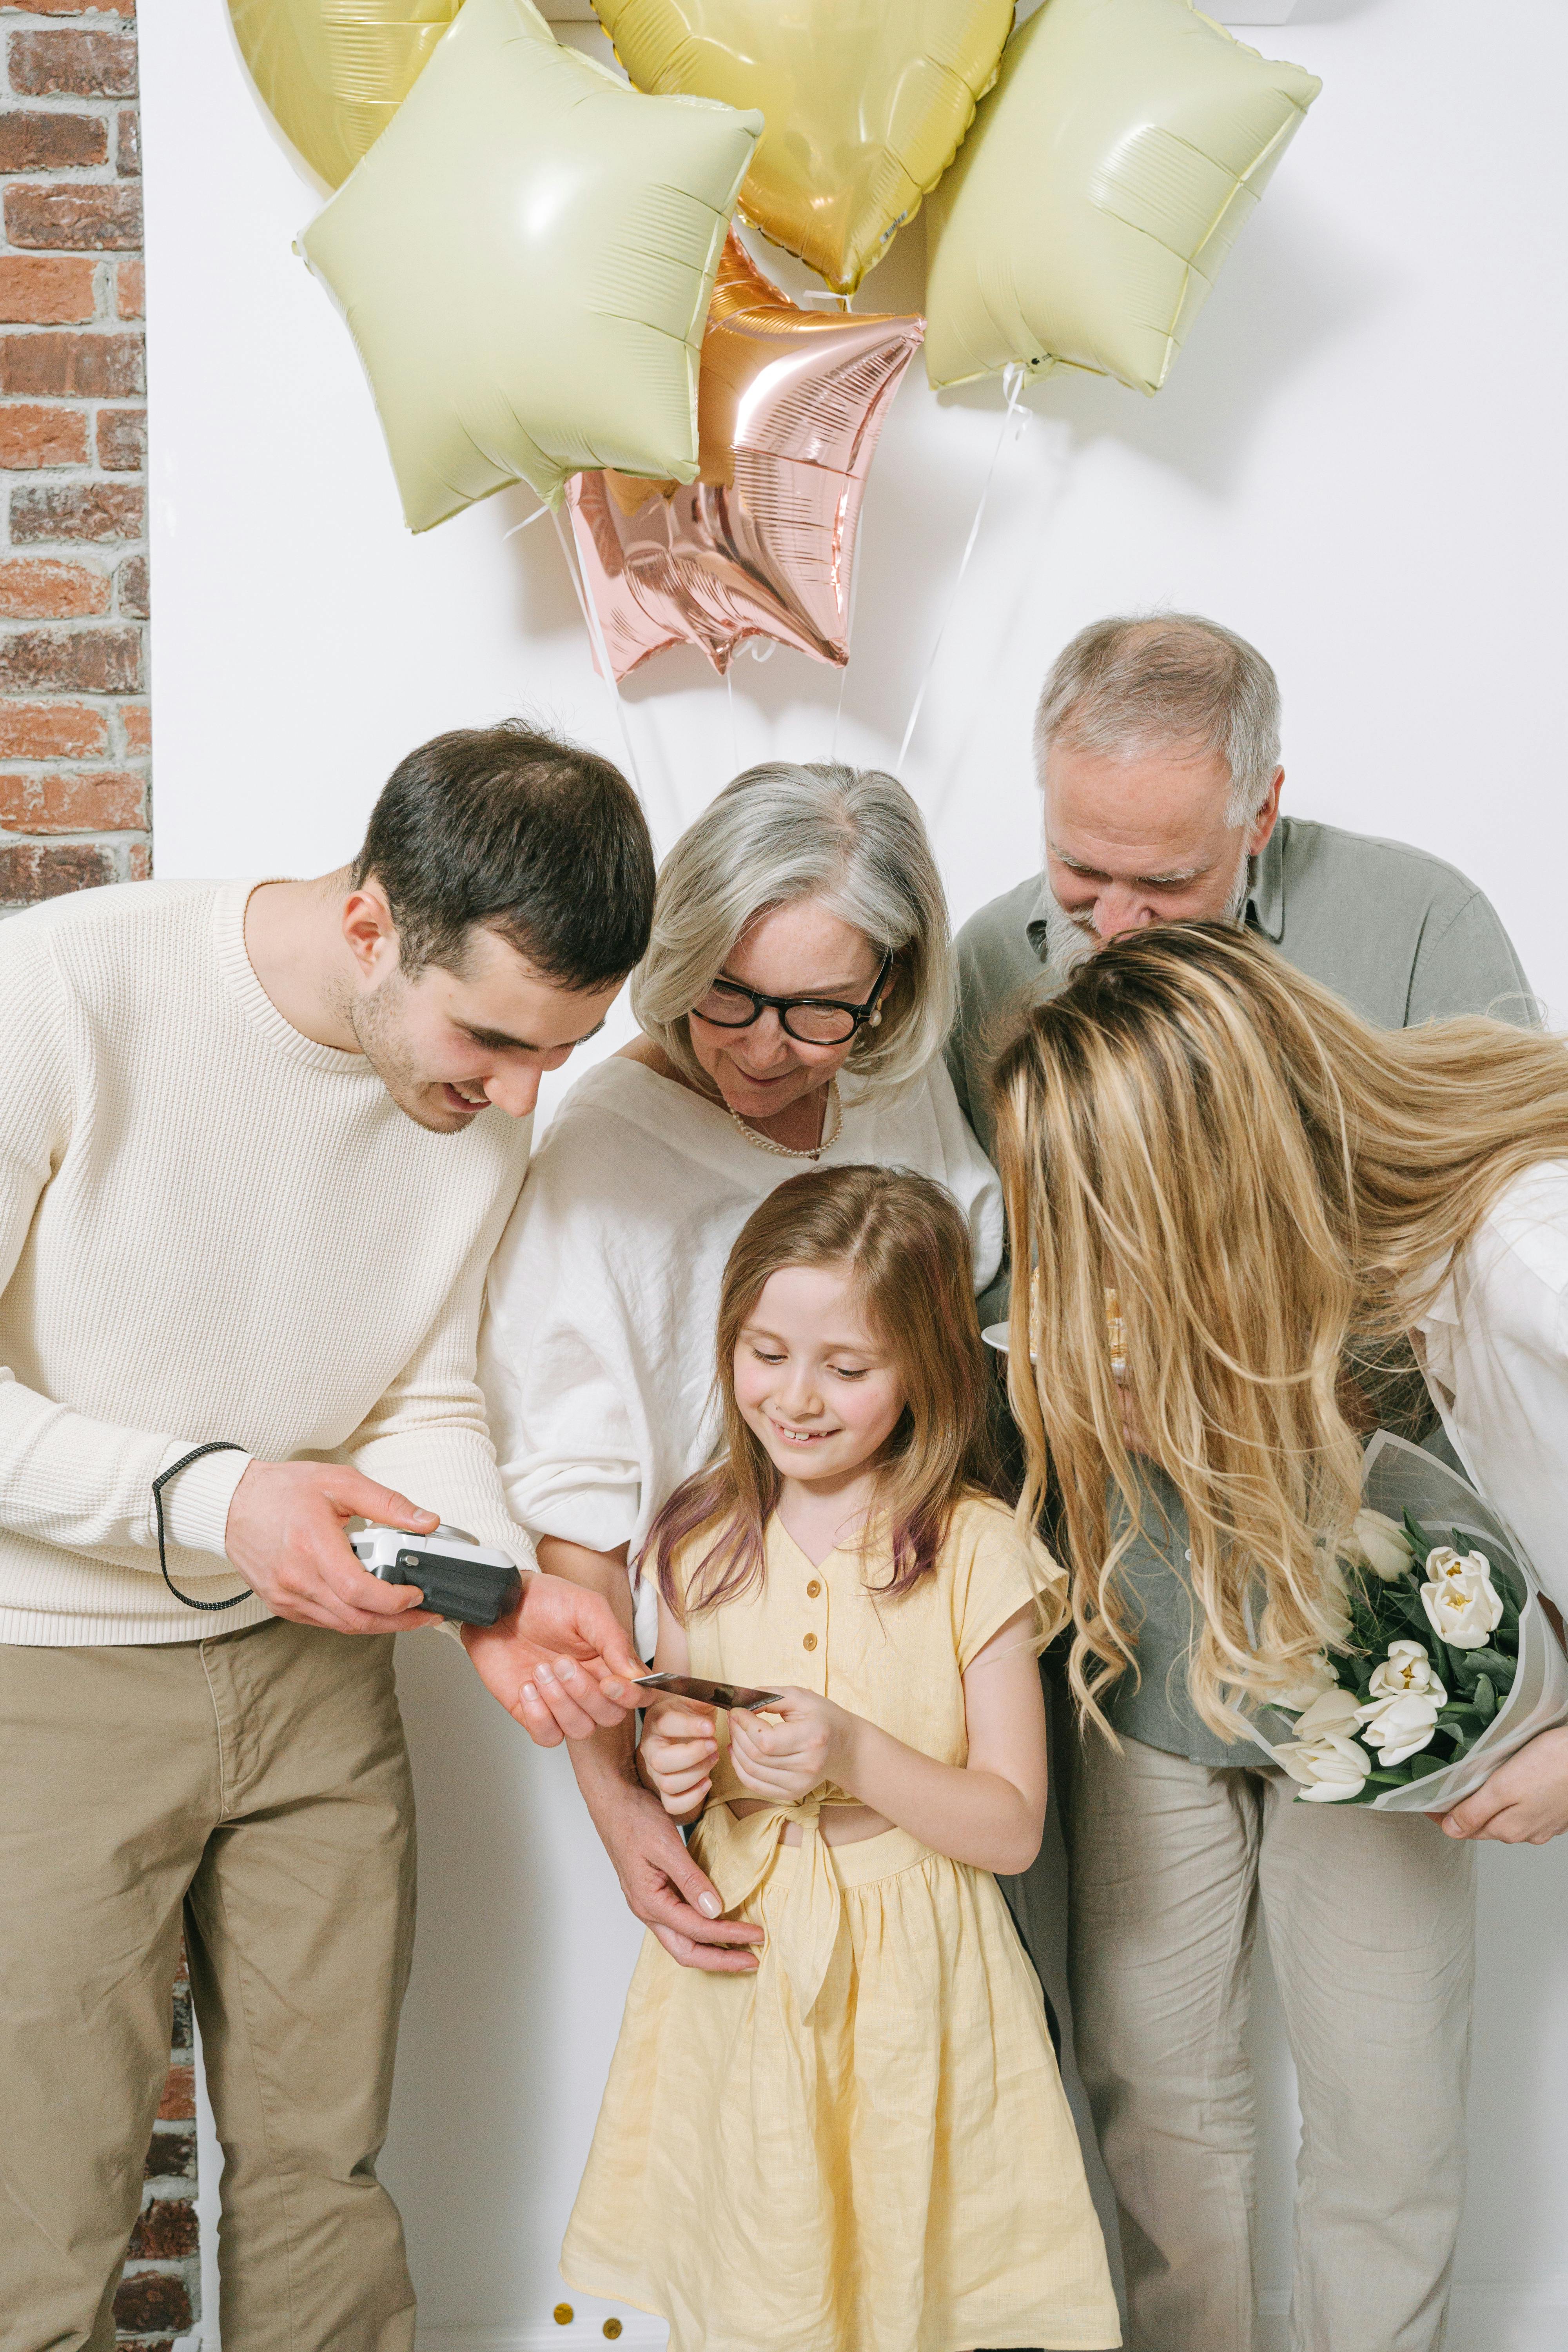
column 677, row 1753
column 802, row 1740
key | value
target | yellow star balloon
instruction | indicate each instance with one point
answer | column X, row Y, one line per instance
column 1109, row 172
column 866, row 102
column 525, row 258
column 333, row 73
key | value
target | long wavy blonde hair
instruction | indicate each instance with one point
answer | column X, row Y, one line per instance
column 1256, row 1173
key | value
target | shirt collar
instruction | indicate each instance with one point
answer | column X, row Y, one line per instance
column 1265, row 896
column 1035, row 924
column 1265, row 891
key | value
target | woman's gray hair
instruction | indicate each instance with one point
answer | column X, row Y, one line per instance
column 1137, row 684
column 852, row 840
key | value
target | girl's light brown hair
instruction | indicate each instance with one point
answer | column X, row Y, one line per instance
column 905, row 1246
column 1256, row 1173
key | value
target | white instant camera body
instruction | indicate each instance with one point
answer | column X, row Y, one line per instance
column 460, row 1577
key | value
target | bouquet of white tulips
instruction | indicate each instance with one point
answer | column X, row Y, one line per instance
column 1448, row 1665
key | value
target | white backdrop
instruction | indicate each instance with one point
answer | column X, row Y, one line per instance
column 1359, row 462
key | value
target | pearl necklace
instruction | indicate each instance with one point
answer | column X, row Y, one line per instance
column 830, row 1128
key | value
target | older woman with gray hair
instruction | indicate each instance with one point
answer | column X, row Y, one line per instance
column 794, row 1001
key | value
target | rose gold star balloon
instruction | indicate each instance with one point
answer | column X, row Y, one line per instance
column 789, row 409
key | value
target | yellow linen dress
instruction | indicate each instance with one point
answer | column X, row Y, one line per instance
column 864, row 2147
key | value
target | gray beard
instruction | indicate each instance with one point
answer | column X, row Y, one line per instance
column 1072, row 939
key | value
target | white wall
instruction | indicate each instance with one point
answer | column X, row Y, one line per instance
column 1359, row 462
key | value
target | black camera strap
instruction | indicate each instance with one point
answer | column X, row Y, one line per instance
column 214, row 1445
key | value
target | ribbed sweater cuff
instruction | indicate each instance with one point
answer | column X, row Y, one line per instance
column 195, row 1503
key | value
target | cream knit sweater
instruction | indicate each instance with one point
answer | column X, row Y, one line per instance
column 212, row 1227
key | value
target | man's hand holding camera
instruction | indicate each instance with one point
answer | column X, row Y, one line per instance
column 285, row 1537
column 559, row 1663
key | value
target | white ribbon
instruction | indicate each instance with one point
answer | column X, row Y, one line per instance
column 1012, row 384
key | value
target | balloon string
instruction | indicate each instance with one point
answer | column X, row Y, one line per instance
column 600, row 651
column 1013, row 379
column 848, row 645
column 524, row 523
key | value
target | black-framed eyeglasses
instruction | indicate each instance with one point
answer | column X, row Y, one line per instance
column 810, row 1020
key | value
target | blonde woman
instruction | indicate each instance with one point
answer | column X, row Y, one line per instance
column 794, row 1001
column 1258, row 1174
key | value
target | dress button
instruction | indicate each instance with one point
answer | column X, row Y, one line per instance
column 809, row 1642
column 813, row 1588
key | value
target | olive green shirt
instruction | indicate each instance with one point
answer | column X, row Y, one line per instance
column 1402, row 939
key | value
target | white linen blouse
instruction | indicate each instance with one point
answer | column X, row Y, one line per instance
column 1494, row 1346
column 596, row 1346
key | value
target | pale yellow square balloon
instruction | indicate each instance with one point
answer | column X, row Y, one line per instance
column 525, row 259
column 1105, row 178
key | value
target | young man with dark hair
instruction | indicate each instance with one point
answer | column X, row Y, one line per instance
column 256, row 1144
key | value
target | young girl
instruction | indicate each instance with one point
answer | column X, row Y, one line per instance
column 864, row 2146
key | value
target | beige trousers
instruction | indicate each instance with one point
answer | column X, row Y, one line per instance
column 1371, row 1932
column 253, row 1788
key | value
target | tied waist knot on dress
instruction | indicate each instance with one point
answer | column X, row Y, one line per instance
column 804, row 1931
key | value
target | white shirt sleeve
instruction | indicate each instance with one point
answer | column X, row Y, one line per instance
column 968, row 1175
column 567, row 1410
column 67, row 1478
column 427, row 1436
column 1499, row 1369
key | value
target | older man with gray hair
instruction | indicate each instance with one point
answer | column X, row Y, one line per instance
column 1157, row 746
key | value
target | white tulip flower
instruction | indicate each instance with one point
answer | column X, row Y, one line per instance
column 1463, row 1606
column 1443, row 1562
column 1381, row 1544
column 1398, row 1727
column 1319, row 1677
column 1407, row 1672
column 1329, row 1769
column 1332, row 1710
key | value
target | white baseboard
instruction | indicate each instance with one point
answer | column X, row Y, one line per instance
column 638, row 2334
column 1481, row 2319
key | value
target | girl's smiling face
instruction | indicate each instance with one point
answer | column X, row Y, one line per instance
column 813, row 1381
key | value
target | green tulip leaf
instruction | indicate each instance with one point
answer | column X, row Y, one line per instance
column 1492, row 1663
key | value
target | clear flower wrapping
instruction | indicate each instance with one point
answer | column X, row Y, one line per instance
column 1452, row 1662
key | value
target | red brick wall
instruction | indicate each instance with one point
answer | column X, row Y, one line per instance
column 160, row 2294
column 74, row 735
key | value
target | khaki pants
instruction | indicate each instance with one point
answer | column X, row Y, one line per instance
column 1371, row 1931
column 253, row 1788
